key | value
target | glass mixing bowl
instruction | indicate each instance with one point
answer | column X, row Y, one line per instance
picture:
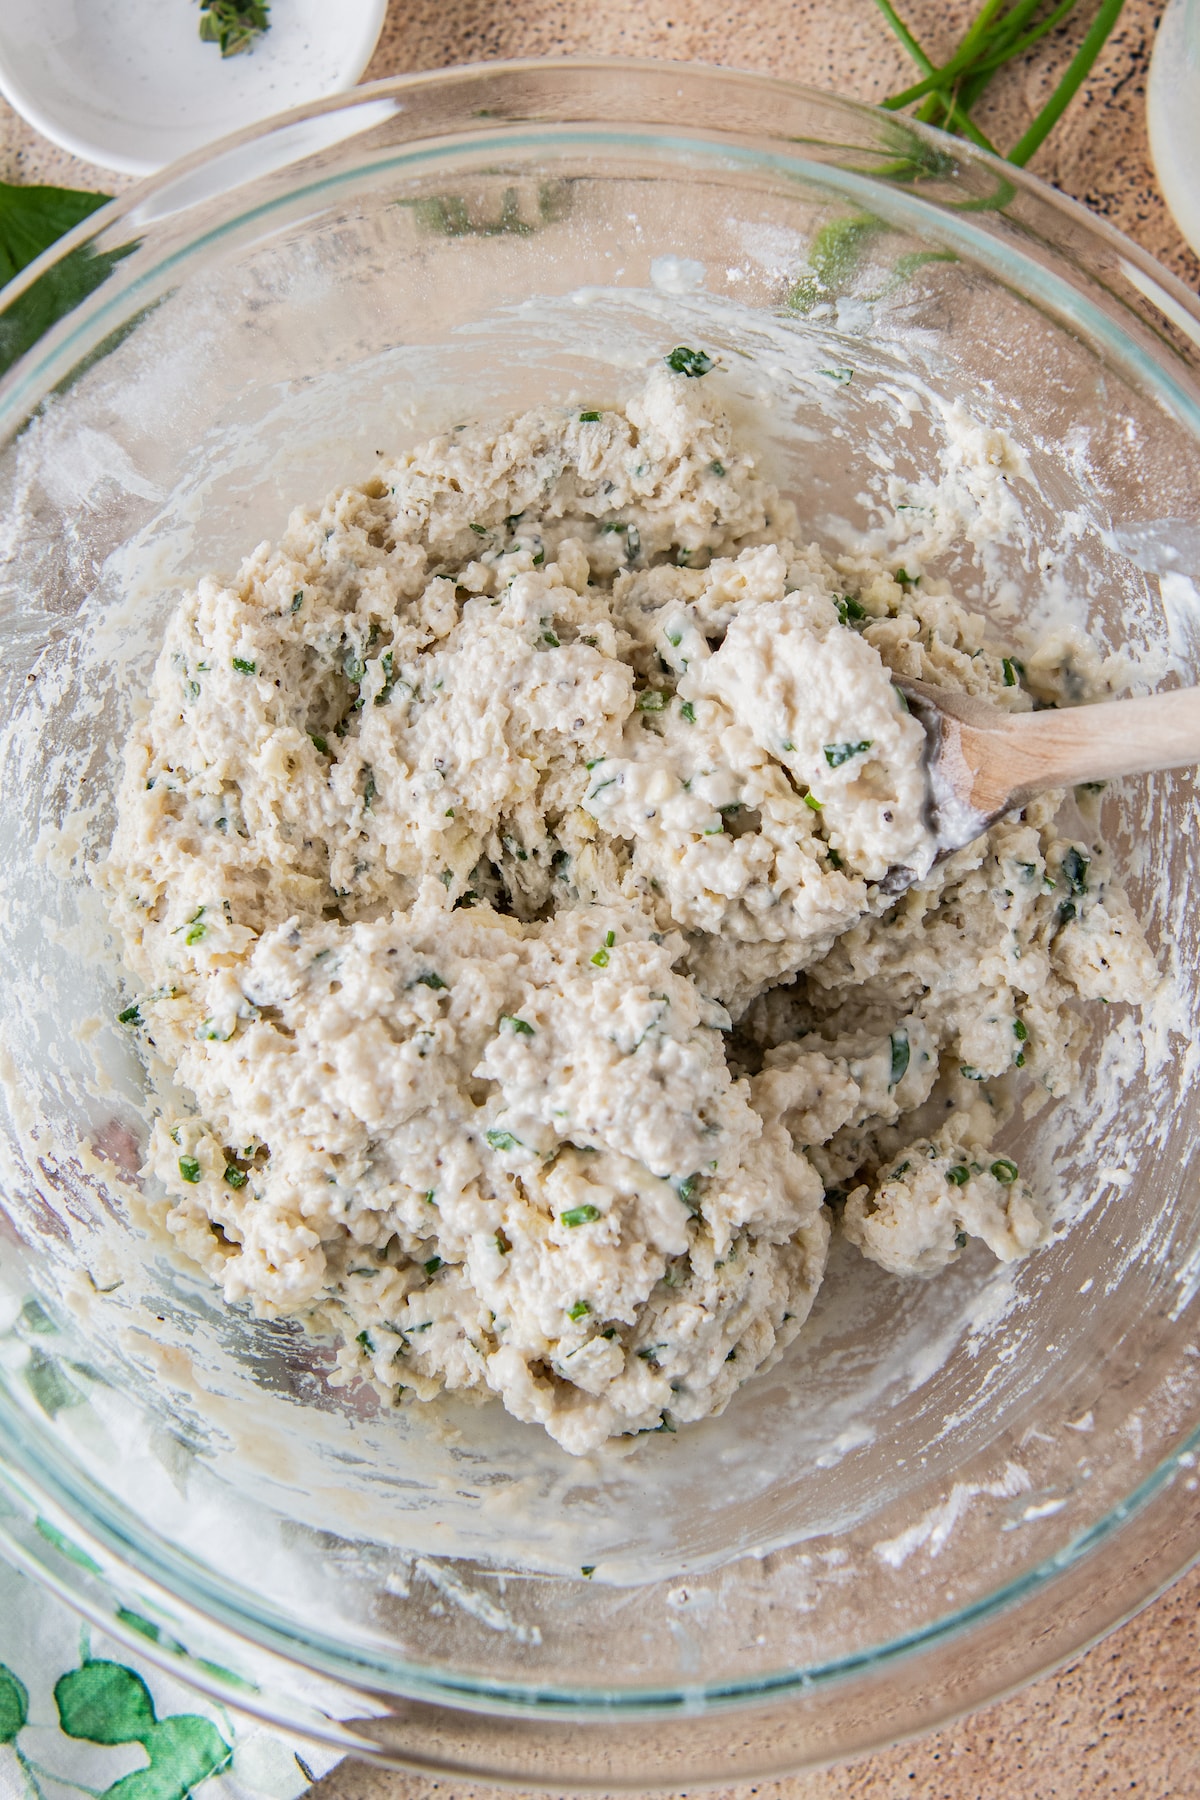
column 947, row 1485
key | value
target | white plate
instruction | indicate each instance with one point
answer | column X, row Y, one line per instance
column 128, row 84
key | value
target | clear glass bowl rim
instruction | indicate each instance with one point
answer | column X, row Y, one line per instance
column 41, row 1472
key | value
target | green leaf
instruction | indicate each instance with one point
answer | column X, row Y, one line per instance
column 50, row 1386
column 105, row 1703
column 184, row 1750
column 33, row 218
column 14, row 1705
column 900, row 1057
column 66, row 1548
column 234, row 25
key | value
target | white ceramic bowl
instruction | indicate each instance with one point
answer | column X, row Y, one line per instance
column 128, row 84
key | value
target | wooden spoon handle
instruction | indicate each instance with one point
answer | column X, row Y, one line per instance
column 1023, row 753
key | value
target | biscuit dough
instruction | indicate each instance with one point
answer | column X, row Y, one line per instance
column 514, row 866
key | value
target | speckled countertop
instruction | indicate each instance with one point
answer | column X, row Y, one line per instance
column 1125, row 1718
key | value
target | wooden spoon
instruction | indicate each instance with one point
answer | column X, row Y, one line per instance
column 983, row 762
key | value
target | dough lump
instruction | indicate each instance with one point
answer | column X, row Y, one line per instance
column 507, row 865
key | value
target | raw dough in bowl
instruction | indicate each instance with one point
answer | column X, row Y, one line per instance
column 514, row 866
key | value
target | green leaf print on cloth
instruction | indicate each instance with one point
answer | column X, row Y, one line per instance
column 14, row 1705
column 107, row 1703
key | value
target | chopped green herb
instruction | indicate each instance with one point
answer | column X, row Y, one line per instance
column 1010, row 671
column 364, row 1338
column 479, row 530
column 580, row 1310
column 686, row 1190
column 588, row 1569
column 297, row 601
column 960, row 1240
column 353, row 666
column 901, row 1052
column 319, row 743
column 429, row 1199
column 243, row 667
column 548, row 637
column 904, row 578
column 196, row 930
column 430, row 980
column 841, row 374
column 811, row 800
column 433, row 1265
column 502, row 1242
column 687, row 712
column 651, row 700
column 189, row 1168
column 586, row 1214
column 130, row 1016
column 502, row 1140
column 834, row 858
column 589, row 418
column 717, row 468
column 1020, row 1030
column 237, row 1178
column 1075, row 867
column 675, row 638
column 519, row 1025
column 902, row 1170
column 849, row 611
column 959, row 1174
column 837, row 754
column 233, row 25
column 971, row 1074
column 369, row 788
column 610, row 938
column 1004, row 1171
column 600, row 959
column 689, row 362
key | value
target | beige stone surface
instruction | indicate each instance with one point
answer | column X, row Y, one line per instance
column 1124, row 1719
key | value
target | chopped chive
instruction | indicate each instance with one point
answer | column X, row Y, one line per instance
column 689, row 362
column 960, row 1240
column 237, row 1178
column 364, row 1338
column 1004, row 1171
column 600, row 959
column 1010, row 671
column 901, row 1052
column 433, row 1265
column 849, row 611
column 841, row 374
column 837, row 754
column 502, row 1140
column 580, row 1310
column 1020, row 1030
column 588, row 1569
column 971, row 1074
column 130, row 1016
column 610, row 938
column 586, row 1214
column 1075, row 867
column 834, row 858
column 959, row 1174
column 243, row 667
column 717, row 468
column 589, row 418
column 430, row 980
column 651, row 700
column 519, row 1025
column 479, row 530
column 811, row 800
column 687, row 712
column 319, row 743
column 502, row 1242
column 297, row 601
column 189, row 1168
